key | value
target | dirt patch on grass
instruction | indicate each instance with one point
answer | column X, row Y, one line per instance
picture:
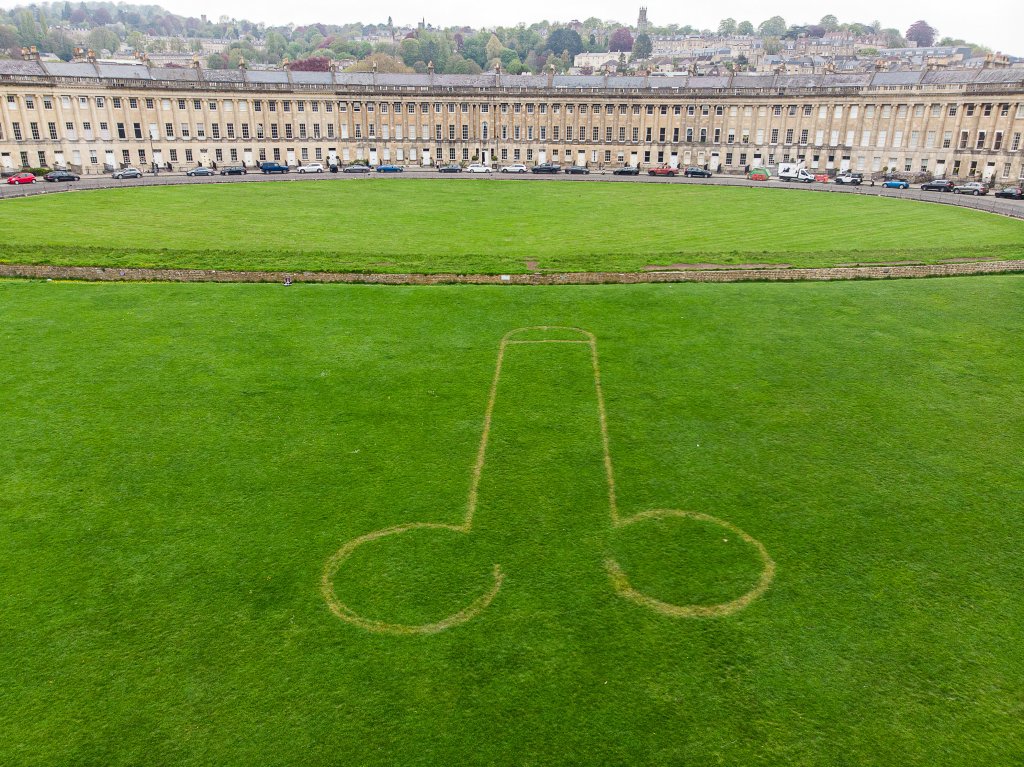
column 533, row 266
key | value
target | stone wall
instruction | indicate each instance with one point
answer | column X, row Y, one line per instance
column 105, row 274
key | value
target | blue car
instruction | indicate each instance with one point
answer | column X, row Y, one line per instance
column 895, row 183
column 389, row 169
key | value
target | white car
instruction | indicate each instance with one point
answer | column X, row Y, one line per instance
column 517, row 168
column 478, row 168
column 313, row 167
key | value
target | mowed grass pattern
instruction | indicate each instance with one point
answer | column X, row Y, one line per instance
column 179, row 461
column 486, row 226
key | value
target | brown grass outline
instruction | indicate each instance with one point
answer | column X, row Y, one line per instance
column 619, row 579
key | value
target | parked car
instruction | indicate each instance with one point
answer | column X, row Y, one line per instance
column 313, row 167
column 22, row 178
column 233, row 170
column 200, row 171
column 478, row 168
column 451, row 167
column 938, row 185
column 356, row 169
column 694, row 172
column 971, row 187
column 1011, row 193
column 627, row 170
column 850, row 179
column 663, row 170
column 895, row 183
column 515, row 168
column 581, row 170
column 61, row 175
column 273, row 167
column 127, row 173
column 390, row 169
column 546, row 167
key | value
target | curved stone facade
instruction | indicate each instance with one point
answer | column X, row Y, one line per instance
column 95, row 117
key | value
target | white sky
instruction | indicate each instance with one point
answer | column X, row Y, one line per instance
column 997, row 24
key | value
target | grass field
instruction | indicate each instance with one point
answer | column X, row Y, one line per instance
column 486, row 226
column 179, row 463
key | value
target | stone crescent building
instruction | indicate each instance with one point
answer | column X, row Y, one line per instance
column 95, row 117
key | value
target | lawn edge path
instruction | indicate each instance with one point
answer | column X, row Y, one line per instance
column 134, row 274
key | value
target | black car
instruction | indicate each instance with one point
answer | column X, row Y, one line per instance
column 356, row 169
column 450, row 168
column 200, row 171
column 61, row 175
column 233, row 170
column 546, row 167
column 1011, row 193
column 695, row 172
column 578, row 169
column 273, row 167
column 938, row 185
column 627, row 170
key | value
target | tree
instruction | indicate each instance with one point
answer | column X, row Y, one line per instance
column 383, row 62
column 642, row 47
column 565, row 39
column 510, row 61
column 621, row 40
column 727, row 27
column 312, row 64
column 475, row 48
column 8, row 38
column 436, row 48
column 410, row 51
column 773, row 27
column 893, row 38
column 493, row 48
column 460, row 66
column 744, row 28
column 829, row 22
column 922, row 34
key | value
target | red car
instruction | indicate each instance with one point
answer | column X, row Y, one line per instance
column 22, row 178
column 663, row 170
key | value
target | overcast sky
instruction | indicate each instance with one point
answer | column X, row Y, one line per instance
column 997, row 24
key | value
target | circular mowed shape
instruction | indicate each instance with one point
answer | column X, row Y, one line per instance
column 491, row 226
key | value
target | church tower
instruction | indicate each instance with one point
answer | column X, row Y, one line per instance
column 642, row 25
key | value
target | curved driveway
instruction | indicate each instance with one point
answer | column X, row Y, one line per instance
column 1012, row 208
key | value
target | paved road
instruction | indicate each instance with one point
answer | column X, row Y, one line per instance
column 1013, row 208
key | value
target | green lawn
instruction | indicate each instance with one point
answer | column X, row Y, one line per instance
column 486, row 226
column 180, row 461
